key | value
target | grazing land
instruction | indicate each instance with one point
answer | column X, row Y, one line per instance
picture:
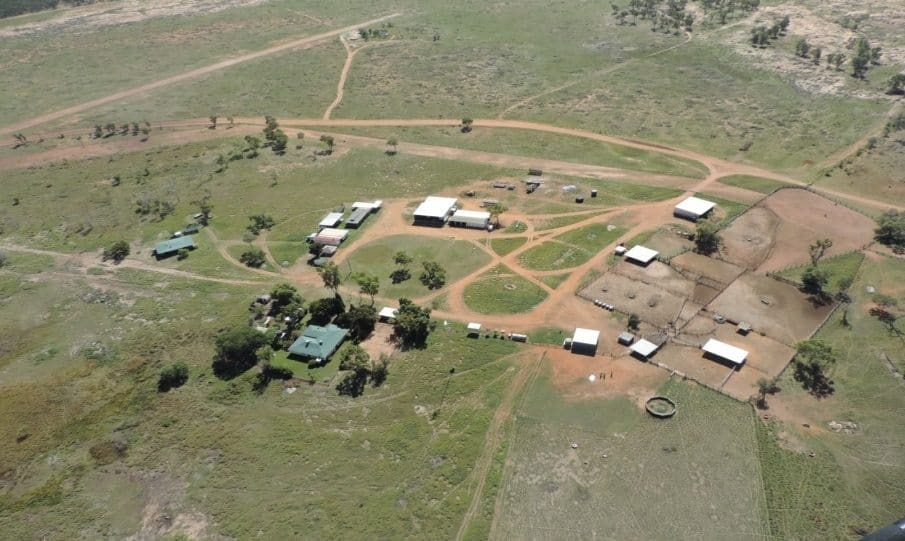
column 173, row 271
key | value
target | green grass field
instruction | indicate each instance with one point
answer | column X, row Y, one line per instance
column 499, row 291
column 839, row 269
column 504, row 246
column 680, row 466
column 727, row 209
column 457, row 257
column 570, row 249
column 853, row 481
column 553, row 280
column 757, row 184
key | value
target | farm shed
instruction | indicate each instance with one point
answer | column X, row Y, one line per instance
column 693, row 208
column 475, row 219
column 644, row 348
column 170, row 247
column 318, row 342
column 434, row 211
column 373, row 206
column 474, row 329
column 328, row 251
column 641, row 255
column 626, row 338
column 585, row 341
column 331, row 220
column 387, row 313
column 725, row 352
column 489, row 202
column 358, row 216
column 331, row 237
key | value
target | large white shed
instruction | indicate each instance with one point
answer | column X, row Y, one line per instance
column 585, row 341
column 477, row 219
column 726, row 352
column 641, row 254
column 693, row 208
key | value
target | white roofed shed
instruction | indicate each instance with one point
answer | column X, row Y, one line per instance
column 585, row 340
column 693, row 208
column 725, row 351
column 477, row 219
column 641, row 254
column 644, row 348
column 435, row 208
column 331, row 220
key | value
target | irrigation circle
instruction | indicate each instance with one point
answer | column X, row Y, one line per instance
column 660, row 406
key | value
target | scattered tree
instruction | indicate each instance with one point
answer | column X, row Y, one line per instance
column 818, row 249
column 862, row 58
column 357, row 361
column 802, row 48
column 360, row 320
column 260, row 222
column 392, row 144
column 433, row 276
column 412, row 325
column 814, row 280
column 213, row 119
column 401, row 273
column 764, row 387
column 116, row 251
column 236, row 351
column 283, row 295
column 98, row 131
column 328, row 142
column 465, row 127
column 182, row 253
column 205, row 207
column 330, row 275
column 894, row 124
column 813, row 359
column 323, row 311
column 634, row 322
column 816, row 52
column 278, row 142
column 707, row 238
column 368, row 284
column 495, row 209
column 173, row 376
column 253, row 257
column 891, row 229
column 896, row 84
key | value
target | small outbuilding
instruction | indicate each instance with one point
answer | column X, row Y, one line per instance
column 434, row 211
column 387, row 313
column 744, row 327
column 318, row 342
column 475, row 219
column 170, row 247
column 373, row 206
column 585, row 341
column 641, row 255
column 693, row 208
column 331, row 220
column 328, row 251
column 474, row 329
column 724, row 352
column 357, row 217
column 644, row 348
column 626, row 338
column 331, row 237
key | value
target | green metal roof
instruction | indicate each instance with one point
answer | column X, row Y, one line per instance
column 318, row 342
column 174, row 245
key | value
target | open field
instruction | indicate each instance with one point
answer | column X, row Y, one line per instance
column 457, row 257
column 463, row 438
column 627, row 463
column 499, row 291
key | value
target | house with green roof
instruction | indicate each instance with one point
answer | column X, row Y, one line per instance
column 318, row 342
column 171, row 246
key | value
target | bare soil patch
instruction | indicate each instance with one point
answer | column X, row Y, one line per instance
column 699, row 266
column 690, row 362
column 668, row 243
column 570, row 374
column 773, row 308
column 748, row 241
column 380, row 342
column 650, row 301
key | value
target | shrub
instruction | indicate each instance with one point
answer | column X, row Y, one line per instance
column 173, row 376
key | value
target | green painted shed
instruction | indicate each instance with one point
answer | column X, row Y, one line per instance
column 171, row 246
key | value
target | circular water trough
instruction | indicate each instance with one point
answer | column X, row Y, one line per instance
column 660, row 406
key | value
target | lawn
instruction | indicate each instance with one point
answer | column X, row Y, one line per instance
column 570, row 249
column 757, row 184
column 840, row 269
column 853, row 483
column 458, row 257
column 556, row 222
column 629, row 463
column 516, row 227
column 506, row 245
column 549, row 335
column 554, row 280
column 500, row 291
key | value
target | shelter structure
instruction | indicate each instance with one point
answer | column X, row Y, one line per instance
column 387, row 313
column 331, row 220
column 644, row 348
column 585, row 341
column 170, row 247
column 722, row 351
column 331, row 237
column 318, row 342
column 626, row 338
column 474, row 329
column 434, row 211
column 693, row 208
column 357, row 217
column 475, row 219
column 328, row 251
column 641, row 255
column 373, row 206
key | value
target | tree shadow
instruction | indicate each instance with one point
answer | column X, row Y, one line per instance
column 813, row 379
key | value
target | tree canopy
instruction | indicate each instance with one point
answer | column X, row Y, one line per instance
column 330, row 275
column 236, row 351
column 813, row 359
column 413, row 324
column 433, row 276
column 707, row 239
column 891, row 229
column 173, row 376
column 116, row 251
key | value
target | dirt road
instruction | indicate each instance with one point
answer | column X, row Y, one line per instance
column 303, row 43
